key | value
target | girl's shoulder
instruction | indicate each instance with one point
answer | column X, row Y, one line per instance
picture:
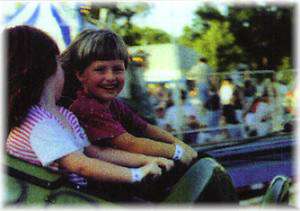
column 65, row 111
column 37, row 114
column 69, row 115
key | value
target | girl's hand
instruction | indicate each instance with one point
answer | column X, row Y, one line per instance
column 151, row 169
column 165, row 163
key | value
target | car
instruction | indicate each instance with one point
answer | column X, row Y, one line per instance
column 216, row 176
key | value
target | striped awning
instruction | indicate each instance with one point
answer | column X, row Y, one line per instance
column 50, row 17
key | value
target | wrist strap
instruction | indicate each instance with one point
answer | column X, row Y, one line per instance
column 179, row 151
column 136, row 174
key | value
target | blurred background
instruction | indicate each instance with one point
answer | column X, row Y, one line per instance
column 205, row 71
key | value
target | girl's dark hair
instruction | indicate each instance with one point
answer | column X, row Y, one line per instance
column 89, row 46
column 31, row 60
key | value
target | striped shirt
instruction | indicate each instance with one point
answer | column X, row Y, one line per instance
column 41, row 139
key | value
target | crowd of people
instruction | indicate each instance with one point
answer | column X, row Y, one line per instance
column 227, row 106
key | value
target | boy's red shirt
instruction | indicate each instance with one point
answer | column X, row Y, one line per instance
column 102, row 123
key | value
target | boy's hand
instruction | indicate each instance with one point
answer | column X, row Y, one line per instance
column 193, row 153
column 189, row 154
column 165, row 163
column 186, row 158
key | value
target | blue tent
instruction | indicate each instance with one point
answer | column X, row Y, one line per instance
column 61, row 20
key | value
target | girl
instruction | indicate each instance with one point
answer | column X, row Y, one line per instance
column 43, row 133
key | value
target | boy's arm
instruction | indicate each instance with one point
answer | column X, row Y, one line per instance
column 124, row 158
column 147, row 146
column 156, row 133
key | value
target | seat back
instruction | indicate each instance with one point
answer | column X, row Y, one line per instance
column 37, row 175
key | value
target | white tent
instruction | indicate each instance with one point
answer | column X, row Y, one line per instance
column 60, row 19
column 167, row 62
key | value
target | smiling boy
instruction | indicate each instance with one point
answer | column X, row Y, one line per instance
column 99, row 59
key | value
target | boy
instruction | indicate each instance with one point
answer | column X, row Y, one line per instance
column 98, row 58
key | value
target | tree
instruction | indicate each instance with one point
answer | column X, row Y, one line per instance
column 148, row 35
column 119, row 19
column 263, row 31
column 217, row 45
column 261, row 35
column 212, row 39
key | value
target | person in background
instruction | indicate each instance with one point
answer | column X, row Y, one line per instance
column 280, row 90
column 263, row 115
column 250, row 118
column 258, row 117
column 201, row 73
column 214, row 110
column 184, row 110
column 226, row 91
column 134, row 93
column 249, row 93
column 230, row 118
column 238, row 103
column 160, row 112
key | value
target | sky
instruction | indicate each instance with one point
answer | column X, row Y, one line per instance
column 171, row 16
column 168, row 15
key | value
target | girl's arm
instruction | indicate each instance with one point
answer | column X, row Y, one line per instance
column 103, row 171
column 124, row 158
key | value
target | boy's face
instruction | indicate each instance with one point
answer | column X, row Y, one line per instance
column 103, row 78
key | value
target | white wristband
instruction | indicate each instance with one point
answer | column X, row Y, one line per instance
column 136, row 174
column 179, row 151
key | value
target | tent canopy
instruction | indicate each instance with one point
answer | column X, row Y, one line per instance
column 61, row 20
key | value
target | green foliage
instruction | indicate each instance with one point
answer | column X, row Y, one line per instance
column 263, row 31
column 216, row 43
column 151, row 36
column 214, row 40
column 285, row 64
column 142, row 35
column 208, row 13
column 119, row 19
column 245, row 34
column 188, row 38
column 285, row 72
